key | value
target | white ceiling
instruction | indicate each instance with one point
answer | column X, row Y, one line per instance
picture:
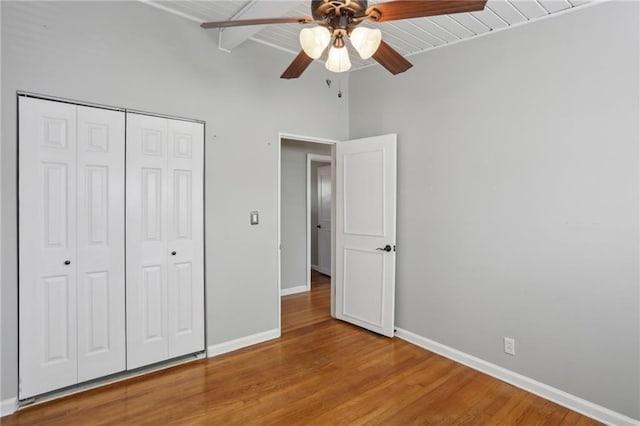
column 409, row 36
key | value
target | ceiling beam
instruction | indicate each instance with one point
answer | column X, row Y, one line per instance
column 232, row 37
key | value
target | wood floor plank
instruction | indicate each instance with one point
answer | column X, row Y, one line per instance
column 320, row 372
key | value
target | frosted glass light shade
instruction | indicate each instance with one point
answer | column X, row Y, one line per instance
column 338, row 60
column 314, row 41
column 366, row 41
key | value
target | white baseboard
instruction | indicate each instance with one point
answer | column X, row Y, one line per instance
column 322, row 271
column 243, row 342
column 8, row 406
column 558, row 396
column 293, row 290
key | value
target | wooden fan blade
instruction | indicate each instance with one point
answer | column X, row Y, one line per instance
column 405, row 9
column 389, row 58
column 265, row 21
column 297, row 67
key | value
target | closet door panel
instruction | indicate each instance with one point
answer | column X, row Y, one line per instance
column 101, row 269
column 186, row 238
column 146, row 240
column 47, row 246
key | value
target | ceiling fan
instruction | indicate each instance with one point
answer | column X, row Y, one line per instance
column 339, row 19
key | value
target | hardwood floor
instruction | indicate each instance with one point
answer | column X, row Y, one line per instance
column 321, row 372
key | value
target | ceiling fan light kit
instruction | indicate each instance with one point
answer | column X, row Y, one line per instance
column 338, row 60
column 314, row 41
column 339, row 18
column 366, row 41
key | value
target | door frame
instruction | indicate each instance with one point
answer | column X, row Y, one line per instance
column 319, row 159
column 311, row 139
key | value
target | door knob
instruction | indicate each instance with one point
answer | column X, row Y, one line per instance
column 318, row 226
column 173, row 253
column 386, row 248
column 67, row 262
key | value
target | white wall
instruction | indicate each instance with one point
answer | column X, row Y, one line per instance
column 294, row 209
column 130, row 55
column 518, row 197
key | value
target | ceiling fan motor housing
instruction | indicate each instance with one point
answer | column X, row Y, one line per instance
column 327, row 10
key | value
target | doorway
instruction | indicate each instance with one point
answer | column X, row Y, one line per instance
column 363, row 173
column 304, row 247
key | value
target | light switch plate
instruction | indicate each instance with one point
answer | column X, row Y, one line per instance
column 254, row 218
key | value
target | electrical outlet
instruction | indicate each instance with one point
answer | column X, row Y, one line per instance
column 510, row 346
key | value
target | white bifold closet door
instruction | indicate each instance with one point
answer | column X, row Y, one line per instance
column 100, row 237
column 165, row 239
column 71, row 248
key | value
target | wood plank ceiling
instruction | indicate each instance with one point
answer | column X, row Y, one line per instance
column 409, row 37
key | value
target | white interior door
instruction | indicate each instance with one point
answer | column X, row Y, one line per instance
column 324, row 220
column 100, row 233
column 146, row 240
column 366, row 232
column 47, row 248
column 185, row 238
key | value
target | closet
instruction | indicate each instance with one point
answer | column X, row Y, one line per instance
column 110, row 231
